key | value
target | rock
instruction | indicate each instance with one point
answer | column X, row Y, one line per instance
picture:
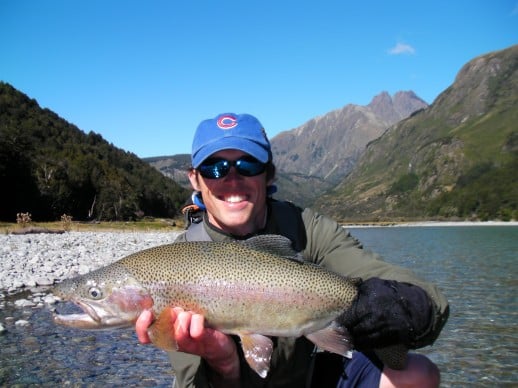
column 44, row 281
column 50, row 299
column 17, row 284
column 2, row 329
column 43, row 259
column 24, row 303
column 22, row 322
column 30, row 283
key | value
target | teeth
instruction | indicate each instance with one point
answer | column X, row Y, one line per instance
column 234, row 198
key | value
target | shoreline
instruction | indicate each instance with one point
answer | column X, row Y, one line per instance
column 35, row 260
column 389, row 224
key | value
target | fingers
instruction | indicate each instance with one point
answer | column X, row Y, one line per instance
column 188, row 325
column 217, row 348
column 188, row 331
column 197, row 326
column 144, row 320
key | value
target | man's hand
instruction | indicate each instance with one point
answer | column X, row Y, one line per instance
column 191, row 336
column 387, row 312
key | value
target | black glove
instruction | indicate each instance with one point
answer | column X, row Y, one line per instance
column 387, row 312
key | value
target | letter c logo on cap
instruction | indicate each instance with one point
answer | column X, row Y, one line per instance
column 227, row 122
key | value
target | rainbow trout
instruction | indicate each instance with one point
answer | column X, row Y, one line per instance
column 253, row 289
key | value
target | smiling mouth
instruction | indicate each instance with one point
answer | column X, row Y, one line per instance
column 235, row 198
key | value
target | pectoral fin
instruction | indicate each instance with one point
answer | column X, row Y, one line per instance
column 333, row 338
column 161, row 332
column 258, row 352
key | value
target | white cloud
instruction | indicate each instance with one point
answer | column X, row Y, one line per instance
column 401, row 48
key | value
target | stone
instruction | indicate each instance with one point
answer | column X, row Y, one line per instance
column 24, row 303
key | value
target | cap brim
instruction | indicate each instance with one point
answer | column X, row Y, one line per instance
column 231, row 143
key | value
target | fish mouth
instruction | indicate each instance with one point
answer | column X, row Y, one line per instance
column 95, row 316
column 89, row 310
column 89, row 319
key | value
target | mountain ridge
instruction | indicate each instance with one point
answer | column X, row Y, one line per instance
column 433, row 163
column 454, row 159
column 313, row 157
column 328, row 146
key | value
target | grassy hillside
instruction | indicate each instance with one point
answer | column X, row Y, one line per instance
column 455, row 159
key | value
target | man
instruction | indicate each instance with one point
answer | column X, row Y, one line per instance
column 232, row 175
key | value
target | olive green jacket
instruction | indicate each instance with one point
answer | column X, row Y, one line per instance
column 324, row 242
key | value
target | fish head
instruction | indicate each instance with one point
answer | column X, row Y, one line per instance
column 109, row 297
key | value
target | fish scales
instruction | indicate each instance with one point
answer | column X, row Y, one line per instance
column 254, row 289
column 208, row 278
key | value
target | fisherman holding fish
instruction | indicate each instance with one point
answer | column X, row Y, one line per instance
column 232, row 174
column 259, row 292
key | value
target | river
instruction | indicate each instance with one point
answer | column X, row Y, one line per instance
column 475, row 266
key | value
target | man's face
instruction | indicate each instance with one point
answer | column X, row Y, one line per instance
column 236, row 204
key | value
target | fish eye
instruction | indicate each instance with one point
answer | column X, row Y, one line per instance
column 95, row 293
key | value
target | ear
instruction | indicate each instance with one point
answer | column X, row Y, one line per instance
column 194, row 179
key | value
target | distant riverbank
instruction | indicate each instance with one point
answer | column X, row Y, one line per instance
column 43, row 259
column 429, row 223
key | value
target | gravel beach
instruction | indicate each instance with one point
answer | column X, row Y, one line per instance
column 31, row 260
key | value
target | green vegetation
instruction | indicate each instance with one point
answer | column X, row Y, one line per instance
column 457, row 159
column 405, row 183
column 485, row 192
column 49, row 167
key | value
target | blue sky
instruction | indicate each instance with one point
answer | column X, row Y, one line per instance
column 143, row 74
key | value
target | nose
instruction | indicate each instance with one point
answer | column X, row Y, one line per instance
column 233, row 174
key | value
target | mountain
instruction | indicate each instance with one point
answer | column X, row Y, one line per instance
column 49, row 167
column 314, row 157
column 456, row 158
column 174, row 167
column 317, row 155
column 328, row 146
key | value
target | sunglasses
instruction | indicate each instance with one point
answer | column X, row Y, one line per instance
column 216, row 168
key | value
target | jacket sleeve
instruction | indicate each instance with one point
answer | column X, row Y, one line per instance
column 333, row 247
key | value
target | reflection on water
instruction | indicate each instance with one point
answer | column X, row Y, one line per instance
column 474, row 266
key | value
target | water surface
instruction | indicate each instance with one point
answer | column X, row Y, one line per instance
column 475, row 266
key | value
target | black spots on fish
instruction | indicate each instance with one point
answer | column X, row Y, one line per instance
column 94, row 285
column 271, row 243
column 233, row 268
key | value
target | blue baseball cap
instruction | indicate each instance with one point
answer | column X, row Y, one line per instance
column 230, row 131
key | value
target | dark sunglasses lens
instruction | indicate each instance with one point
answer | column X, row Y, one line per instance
column 219, row 168
column 249, row 167
column 214, row 169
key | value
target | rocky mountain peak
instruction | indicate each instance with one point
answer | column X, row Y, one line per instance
column 396, row 108
column 328, row 146
column 455, row 158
